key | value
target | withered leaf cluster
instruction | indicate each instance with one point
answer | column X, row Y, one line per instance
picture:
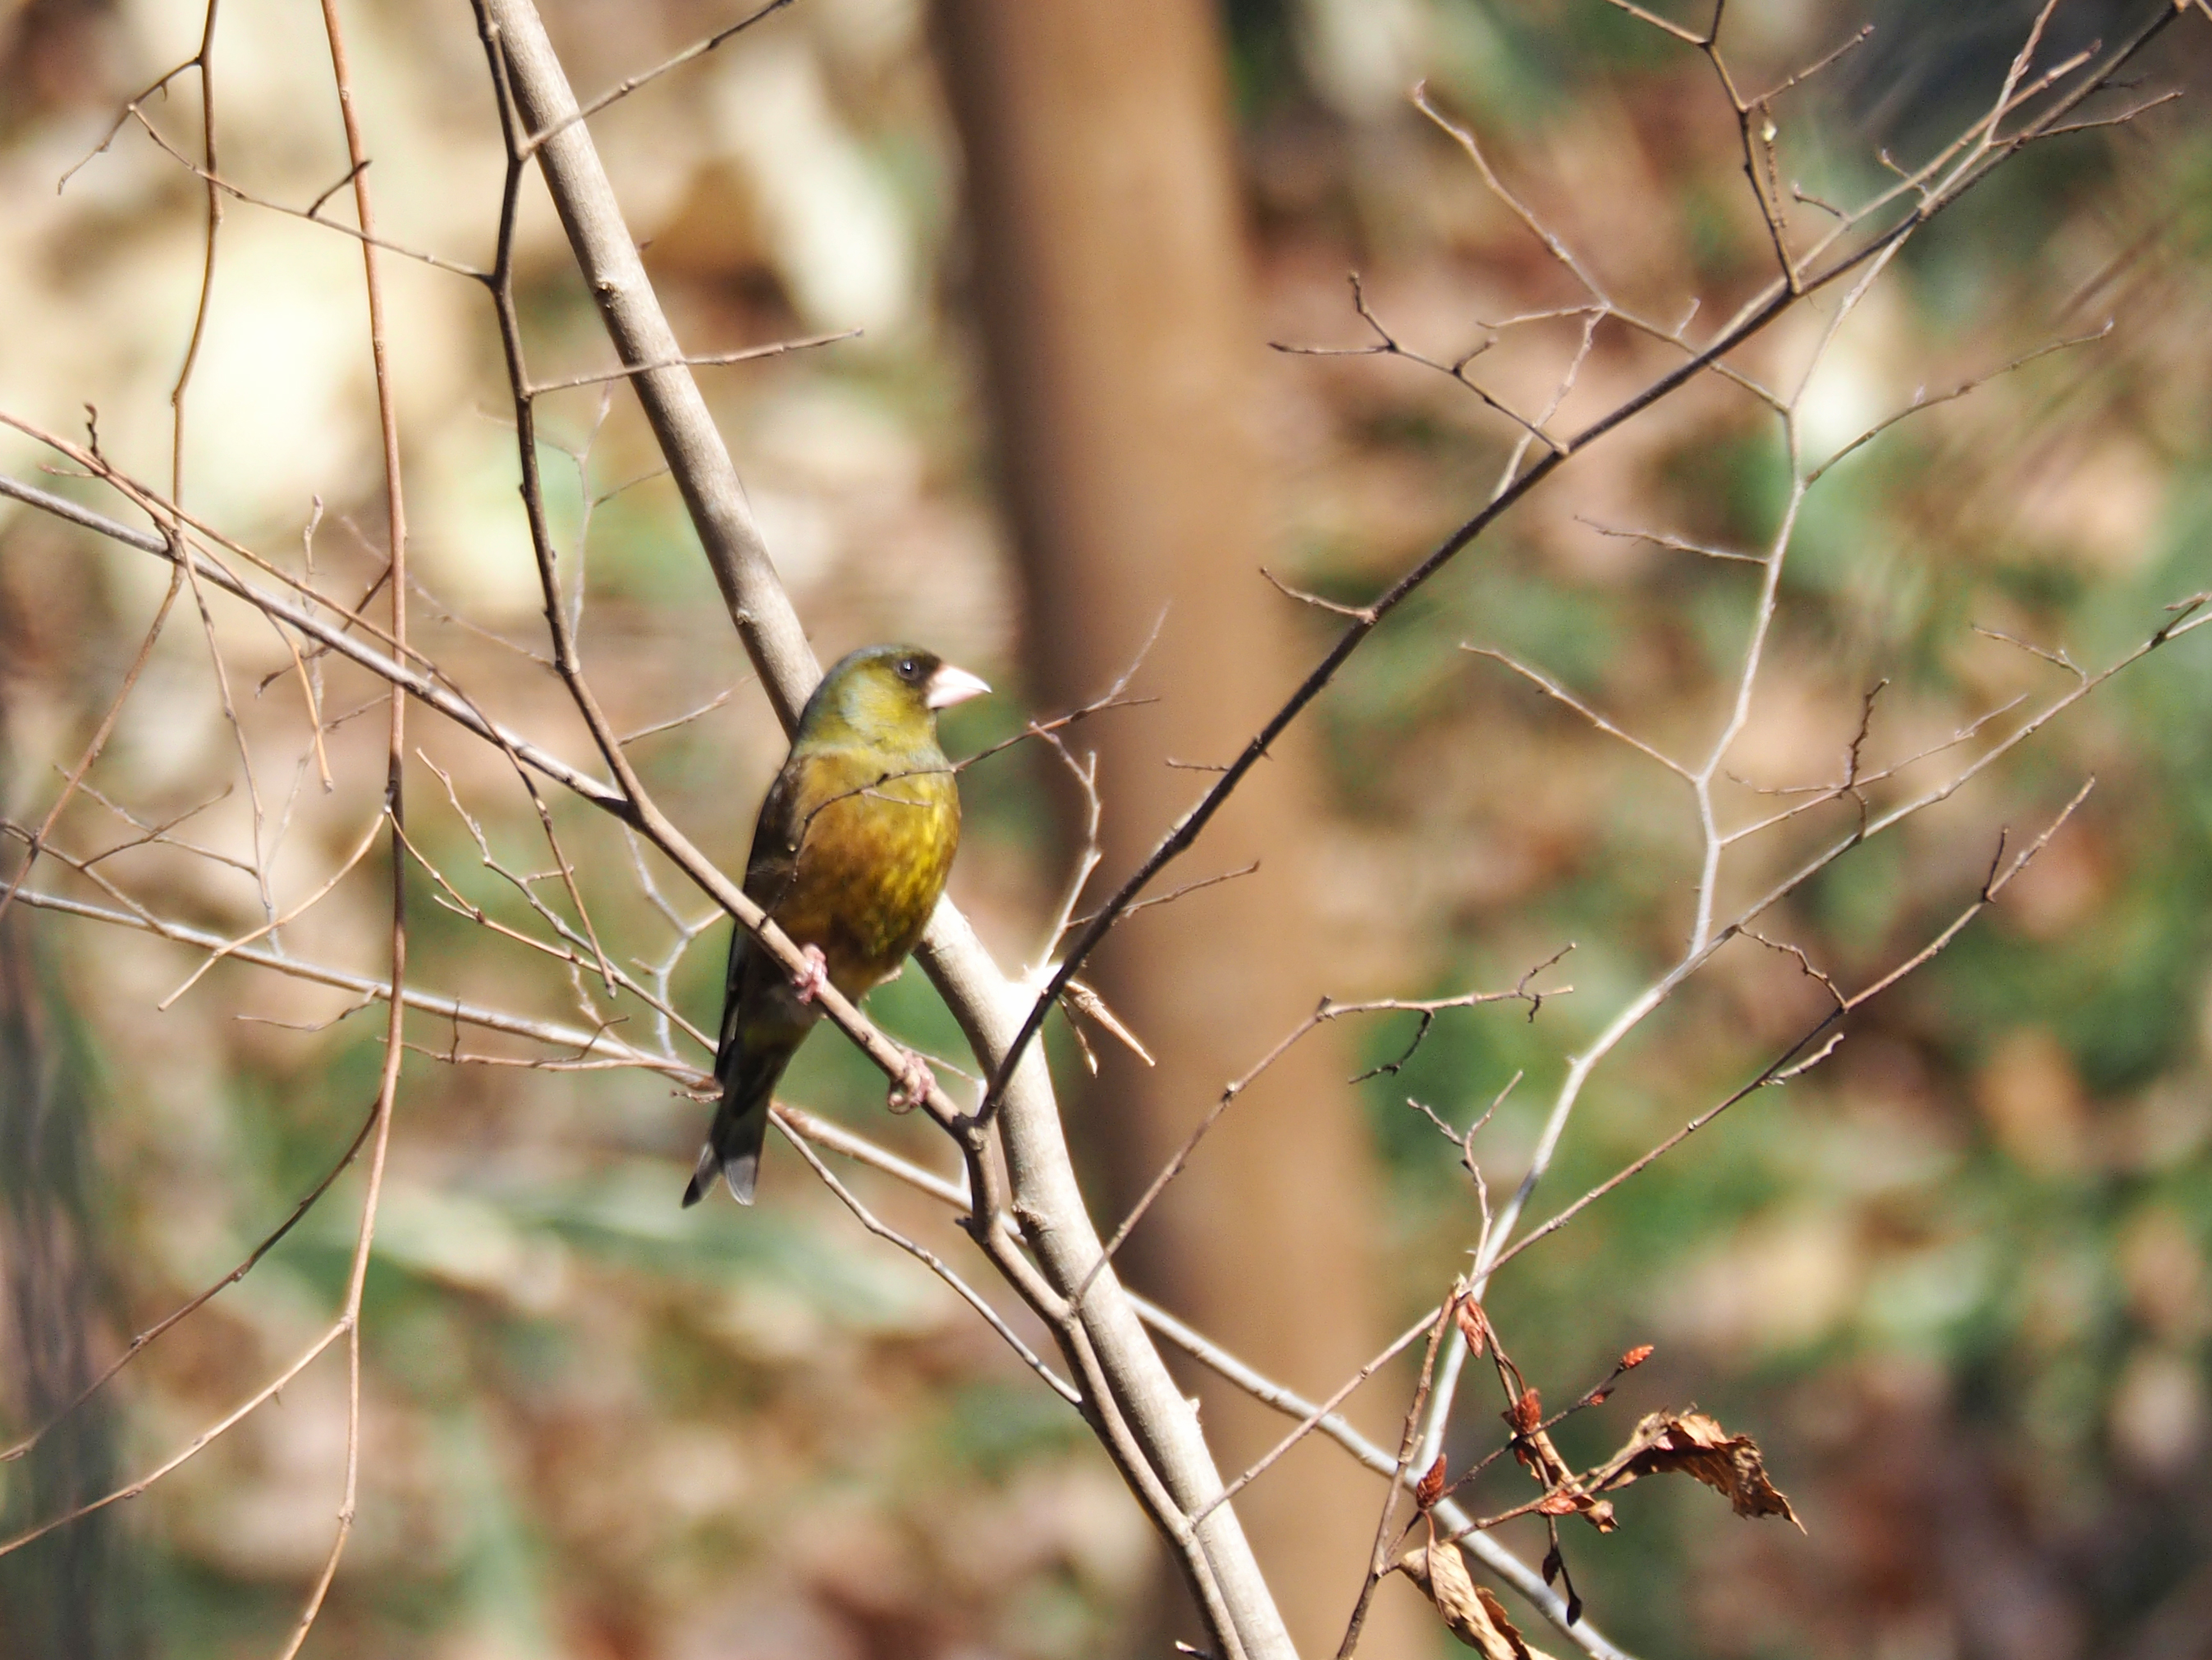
column 1476, row 1616
column 1696, row 1445
column 1663, row 1443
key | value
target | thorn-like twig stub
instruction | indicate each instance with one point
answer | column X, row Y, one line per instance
column 1361, row 614
column 1081, row 996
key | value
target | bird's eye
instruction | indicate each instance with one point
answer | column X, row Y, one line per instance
column 909, row 669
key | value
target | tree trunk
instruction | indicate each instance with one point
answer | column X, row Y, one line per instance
column 67, row 1596
column 1123, row 356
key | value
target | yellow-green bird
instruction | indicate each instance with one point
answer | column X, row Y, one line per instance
column 849, row 857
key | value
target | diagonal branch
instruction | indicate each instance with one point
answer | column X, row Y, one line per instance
column 1148, row 1426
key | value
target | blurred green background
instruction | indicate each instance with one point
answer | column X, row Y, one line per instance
column 1954, row 1280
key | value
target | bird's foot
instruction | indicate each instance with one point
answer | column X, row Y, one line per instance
column 811, row 980
column 912, row 1087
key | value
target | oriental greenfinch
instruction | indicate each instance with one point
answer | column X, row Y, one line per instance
column 850, row 854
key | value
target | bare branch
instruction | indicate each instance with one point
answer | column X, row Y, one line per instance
column 711, row 359
column 1789, row 1065
column 1675, row 542
column 1464, row 137
column 929, row 1259
column 1559, row 693
column 1311, row 1421
column 252, row 1258
column 1328, row 1010
column 706, row 708
column 623, row 88
column 98, row 742
column 221, row 1427
column 1827, row 60
column 1659, row 22
column 345, row 867
column 1921, row 401
column 218, row 184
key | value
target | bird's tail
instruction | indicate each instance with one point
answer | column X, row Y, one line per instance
column 740, row 1127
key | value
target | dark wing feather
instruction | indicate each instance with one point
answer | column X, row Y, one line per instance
column 770, row 868
column 733, row 1143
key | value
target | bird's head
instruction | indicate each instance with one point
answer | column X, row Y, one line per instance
column 885, row 695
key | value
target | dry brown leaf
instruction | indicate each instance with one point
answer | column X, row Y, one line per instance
column 1496, row 1610
column 1476, row 1617
column 1473, row 1325
column 1696, row 1445
column 1431, row 1487
column 1527, row 1412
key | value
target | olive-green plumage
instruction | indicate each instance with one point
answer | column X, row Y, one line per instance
column 850, row 854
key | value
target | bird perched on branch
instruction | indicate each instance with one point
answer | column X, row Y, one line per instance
column 848, row 858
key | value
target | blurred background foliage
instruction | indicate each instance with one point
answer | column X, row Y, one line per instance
column 1954, row 1280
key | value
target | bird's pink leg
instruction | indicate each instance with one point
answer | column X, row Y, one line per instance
column 811, row 980
column 912, row 1087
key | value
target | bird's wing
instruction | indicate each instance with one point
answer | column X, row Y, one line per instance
column 733, row 981
column 770, row 868
column 774, row 860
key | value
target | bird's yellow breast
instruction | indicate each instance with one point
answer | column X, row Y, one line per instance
column 871, row 862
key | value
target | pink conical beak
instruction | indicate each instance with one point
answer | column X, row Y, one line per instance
column 949, row 686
